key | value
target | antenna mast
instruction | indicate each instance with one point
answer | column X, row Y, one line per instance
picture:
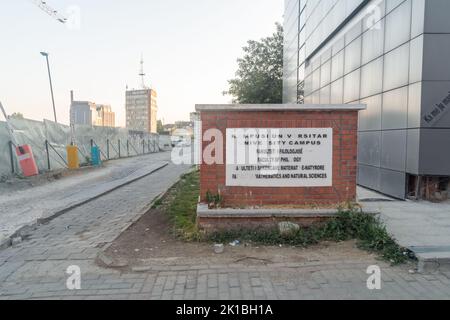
column 142, row 73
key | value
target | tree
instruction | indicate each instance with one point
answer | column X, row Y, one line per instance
column 259, row 78
column 17, row 115
column 159, row 127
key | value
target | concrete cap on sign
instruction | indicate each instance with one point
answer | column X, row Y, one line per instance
column 279, row 107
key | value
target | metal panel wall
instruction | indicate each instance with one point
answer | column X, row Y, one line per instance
column 435, row 104
column 392, row 56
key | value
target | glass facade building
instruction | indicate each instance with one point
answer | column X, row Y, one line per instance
column 391, row 55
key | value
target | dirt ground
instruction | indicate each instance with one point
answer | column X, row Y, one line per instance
column 14, row 183
column 150, row 241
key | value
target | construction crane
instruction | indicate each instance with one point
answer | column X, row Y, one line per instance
column 49, row 10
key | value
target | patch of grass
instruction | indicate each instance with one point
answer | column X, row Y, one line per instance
column 370, row 232
column 159, row 202
column 351, row 223
column 182, row 207
column 214, row 200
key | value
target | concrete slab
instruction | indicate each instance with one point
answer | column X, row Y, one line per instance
column 367, row 195
column 421, row 226
column 205, row 212
column 433, row 262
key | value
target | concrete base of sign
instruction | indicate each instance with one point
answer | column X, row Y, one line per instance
column 213, row 220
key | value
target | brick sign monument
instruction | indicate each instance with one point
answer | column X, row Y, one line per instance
column 263, row 164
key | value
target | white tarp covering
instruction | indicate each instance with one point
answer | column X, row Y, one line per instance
column 5, row 165
column 35, row 133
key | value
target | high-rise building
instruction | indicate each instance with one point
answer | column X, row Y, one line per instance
column 91, row 114
column 392, row 56
column 105, row 116
column 141, row 110
column 83, row 113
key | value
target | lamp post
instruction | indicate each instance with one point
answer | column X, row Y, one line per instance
column 45, row 54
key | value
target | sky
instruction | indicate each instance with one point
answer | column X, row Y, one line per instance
column 189, row 47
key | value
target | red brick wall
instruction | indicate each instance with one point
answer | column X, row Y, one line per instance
column 344, row 124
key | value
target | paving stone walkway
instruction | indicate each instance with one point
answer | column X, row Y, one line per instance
column 36, row 268
column 421, row 226
column 24, row 207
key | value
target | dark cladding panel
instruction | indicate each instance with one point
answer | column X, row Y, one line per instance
column 369, row 177
column 393, row 183
column 435, row 152
column 369, row 151
column 393, row 150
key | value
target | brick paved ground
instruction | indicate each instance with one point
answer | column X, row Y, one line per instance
column 21, row 205
column 36, row 268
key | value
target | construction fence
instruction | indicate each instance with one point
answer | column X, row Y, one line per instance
column 49, row 141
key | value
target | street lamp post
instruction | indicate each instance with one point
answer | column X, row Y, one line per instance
column 45, row 54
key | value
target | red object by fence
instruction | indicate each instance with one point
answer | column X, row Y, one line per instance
column 26, row 161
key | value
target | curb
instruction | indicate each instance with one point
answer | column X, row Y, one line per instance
column 432, row 262
column 433, row 265
column 76, row 205
column 19, row 233
column 101, row 254
column 107, row 261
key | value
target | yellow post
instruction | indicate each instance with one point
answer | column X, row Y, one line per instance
column 72, row 157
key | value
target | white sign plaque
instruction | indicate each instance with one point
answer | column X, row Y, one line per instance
column 288, row 157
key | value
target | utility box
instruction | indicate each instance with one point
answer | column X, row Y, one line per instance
column 72, row 157
column 95, row 156
column 27, row 161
